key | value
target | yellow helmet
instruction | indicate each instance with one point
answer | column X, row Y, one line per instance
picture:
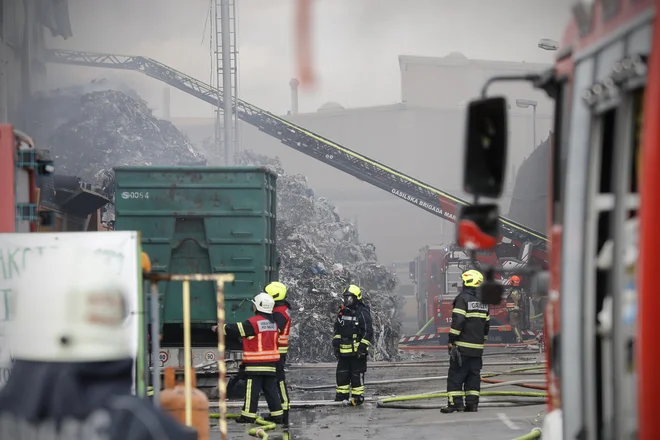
column 472, row 278
column 353, row 290
column 277, row 290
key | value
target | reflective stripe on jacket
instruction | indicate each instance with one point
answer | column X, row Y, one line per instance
column 283, row 340
column 470, row 323
column 260, row 351
column 353, row 327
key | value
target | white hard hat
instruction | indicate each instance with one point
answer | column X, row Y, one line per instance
column 69, row 309
column 264, row 302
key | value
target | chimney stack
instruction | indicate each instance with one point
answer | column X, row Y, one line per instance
column 166, row 103
column 294, row 95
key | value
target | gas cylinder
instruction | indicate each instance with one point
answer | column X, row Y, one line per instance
column 173, row 402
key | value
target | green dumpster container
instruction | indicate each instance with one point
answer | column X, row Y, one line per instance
column 202, row 220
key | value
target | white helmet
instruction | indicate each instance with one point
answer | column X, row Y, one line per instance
column 69, row 309
column 264, row 302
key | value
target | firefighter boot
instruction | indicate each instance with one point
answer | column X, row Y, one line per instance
column 451, row 409
column 243, row 419
column 285, row 418
column 471, row 407
column 519, row 338
column 274, row 419
column 339, row 397
column 357, row 400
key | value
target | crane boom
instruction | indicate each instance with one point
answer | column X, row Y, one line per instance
column 416, row 192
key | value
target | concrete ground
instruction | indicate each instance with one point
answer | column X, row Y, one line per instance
column 369, row 421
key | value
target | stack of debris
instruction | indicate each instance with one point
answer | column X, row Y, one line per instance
column 321, row 254
column 90, row 133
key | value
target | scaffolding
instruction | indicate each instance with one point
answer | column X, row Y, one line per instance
column 224, row 63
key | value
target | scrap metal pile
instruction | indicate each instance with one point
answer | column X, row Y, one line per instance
column 89, row 133
column 321, row 254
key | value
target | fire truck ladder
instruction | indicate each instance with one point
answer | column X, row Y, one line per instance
column 425, row 196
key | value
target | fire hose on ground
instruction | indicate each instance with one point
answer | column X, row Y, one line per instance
column 424, row 379
column 533, row 434
column 257, row 431
column 508, row 398
column 407, row 364
column 514, row 398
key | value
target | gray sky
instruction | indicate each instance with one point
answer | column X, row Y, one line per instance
column 356, row 43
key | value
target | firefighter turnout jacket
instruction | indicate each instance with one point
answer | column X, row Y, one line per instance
column 259, row 336
column 470, row 323
column 282, row 315
column 354, row 330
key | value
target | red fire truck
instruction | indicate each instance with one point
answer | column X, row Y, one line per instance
column 603, row 379
column 601, row 322
column 436, row 273
column 20, row 163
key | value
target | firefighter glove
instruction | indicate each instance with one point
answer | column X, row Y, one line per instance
column 363, row 349
column 336, row 342
column 455, row 354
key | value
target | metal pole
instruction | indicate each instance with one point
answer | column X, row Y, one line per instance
column 155, row 343
column 534, row 125
column 187, row 365
column 143, row 338
column 226, row 80
column 222, row 367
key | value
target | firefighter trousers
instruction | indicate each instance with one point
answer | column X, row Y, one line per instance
column 464, row 379
column 255, row 384
column 350, row 377
column 281, row 382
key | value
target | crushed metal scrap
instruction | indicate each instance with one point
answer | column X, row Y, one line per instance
column 91, row 129
column 321, row 254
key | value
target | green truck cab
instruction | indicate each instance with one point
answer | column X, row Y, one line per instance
column 208, row 220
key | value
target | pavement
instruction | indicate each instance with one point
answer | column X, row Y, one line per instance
column 369, row 421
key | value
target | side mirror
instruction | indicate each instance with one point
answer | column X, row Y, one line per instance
column 486, row 147
column 478, row 227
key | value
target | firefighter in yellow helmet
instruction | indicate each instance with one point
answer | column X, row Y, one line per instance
column 282, row 315
column 353, row 336
column 469, row 330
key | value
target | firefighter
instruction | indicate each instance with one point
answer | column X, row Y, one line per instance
column 351, row 341
column 282, row 315
column 259, row 336
column 73, row 369
column 513, row 303
column 469, row 330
